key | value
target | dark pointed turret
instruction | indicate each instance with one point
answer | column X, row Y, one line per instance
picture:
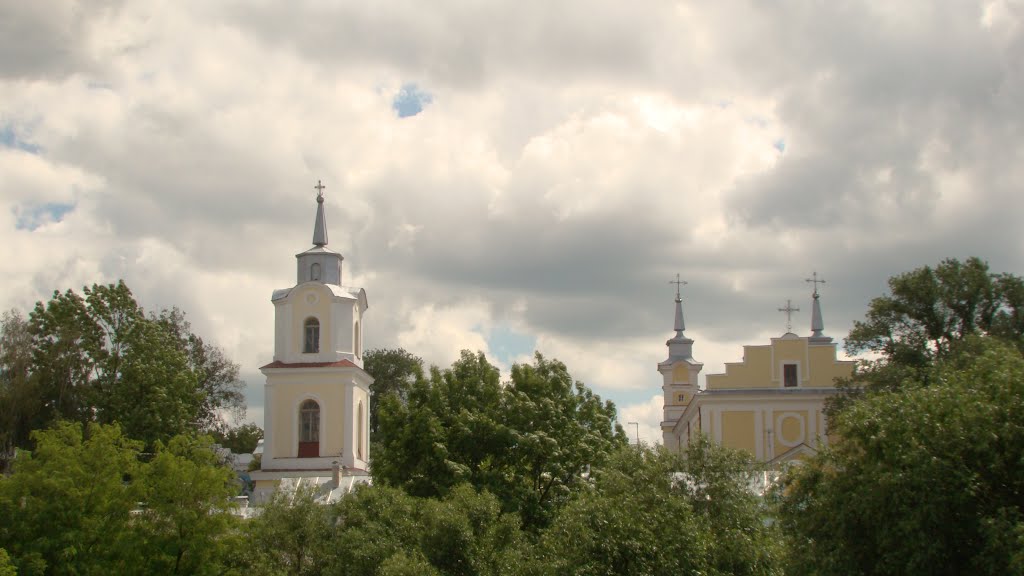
column 320, row 226
column 679, row 346
column 817, row 324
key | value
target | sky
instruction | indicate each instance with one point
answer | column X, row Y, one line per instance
column 511, row 176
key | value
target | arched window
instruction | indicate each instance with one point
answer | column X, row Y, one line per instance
column 356, row 348
column 309, row 429
column 312, row 341
column 314, row 271
column 360, row 435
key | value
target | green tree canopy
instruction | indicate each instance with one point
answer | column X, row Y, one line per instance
column 89, row 504
column 440, row 435
column 20, row 402
column 462, row 534
column 290, row 535
column 96, row 356
column 187, row 518
column 526, row 441
column 928, row 479
column 394, row 371
column 6, row 566
column 649, row 511
column 929, row 311
column 66, row 509
column 240, row 439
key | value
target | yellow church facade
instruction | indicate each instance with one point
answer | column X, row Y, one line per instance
column 770, row 404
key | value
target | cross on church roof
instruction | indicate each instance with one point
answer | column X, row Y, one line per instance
column 789, row 314
column 814, row 279
column 319, row 189
column 679, row 284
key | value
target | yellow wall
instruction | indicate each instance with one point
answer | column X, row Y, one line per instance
column 738, row 431
column 753, row 372
column 320, row 309
column 825, row 368
column 290, row 390
column 788, row 351
column 681, row 374
column 762, row 366
column 792, row 430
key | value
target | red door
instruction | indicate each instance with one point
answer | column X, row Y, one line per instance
column 309, row 449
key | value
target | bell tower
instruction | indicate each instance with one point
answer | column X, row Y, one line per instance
column 317, row 397
column 679, row 374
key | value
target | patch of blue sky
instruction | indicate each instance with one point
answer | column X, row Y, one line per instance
column 33, row 216
column 410, row 100
column 780, row 144
column 506, row 345
column 628, row 397
column 9, row 138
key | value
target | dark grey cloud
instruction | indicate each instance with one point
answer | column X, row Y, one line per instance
column 48, row 39
column 467, row 45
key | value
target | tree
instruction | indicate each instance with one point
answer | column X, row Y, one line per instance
column 291, row 533
column 98, row 357
column 402, row 564
column 6, row 567
column 216, row 376
column 394, row 371
column 929, row 312
column 67, row 508
column 928, row 479
column 19, row 400
column 187, row 515
column 441, row 435
column 527, row 441
column 463, row 534
column 720, row 484
column 151, row 393
column 649, row 511
column 557, row 428
column 68, row 353
column 633, row 521
column 241, row 439
column 84, row 503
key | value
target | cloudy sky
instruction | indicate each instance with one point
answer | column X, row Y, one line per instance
column 507, row 176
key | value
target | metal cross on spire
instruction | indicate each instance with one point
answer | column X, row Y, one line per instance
column 679, row 284
column 789, row 314
column 814, row 280
column 319, row 189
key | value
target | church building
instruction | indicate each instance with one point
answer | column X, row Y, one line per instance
column 769, row 404
column 317, row 396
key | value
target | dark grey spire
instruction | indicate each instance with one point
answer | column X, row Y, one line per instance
column 817, row 323
column 320, row 226
column 679, row 346
column 680, row 324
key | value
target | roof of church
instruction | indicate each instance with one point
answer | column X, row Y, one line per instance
column 319, row 250
column 341, row 291
column 338, row 364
